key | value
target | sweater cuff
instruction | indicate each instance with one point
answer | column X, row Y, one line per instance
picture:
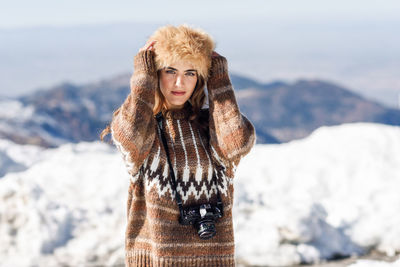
column 144, row 61
column 218, row 73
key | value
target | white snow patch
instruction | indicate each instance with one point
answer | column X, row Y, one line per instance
column 371, row 263
column 333, row 193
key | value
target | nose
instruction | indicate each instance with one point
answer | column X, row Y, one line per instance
column 179, row 81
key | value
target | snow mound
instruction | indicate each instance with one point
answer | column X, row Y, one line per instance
column 67, row 209
column 370, row 263
column 332, row 194
column 14, row 158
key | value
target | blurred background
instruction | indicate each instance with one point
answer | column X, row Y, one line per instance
column 318, row 79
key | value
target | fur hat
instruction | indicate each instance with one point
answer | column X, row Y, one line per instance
column 183, row 43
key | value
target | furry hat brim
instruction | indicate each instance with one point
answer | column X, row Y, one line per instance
column 183, row 43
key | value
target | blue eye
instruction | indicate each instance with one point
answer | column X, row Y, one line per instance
column 191, row 74
column 170, row 71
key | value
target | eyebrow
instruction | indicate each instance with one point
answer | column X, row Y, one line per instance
column 176, row 69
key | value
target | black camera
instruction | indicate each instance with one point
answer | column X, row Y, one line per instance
column 202, row 217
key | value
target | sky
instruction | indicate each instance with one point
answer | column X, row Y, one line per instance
column 350, row 42
column 25, row 13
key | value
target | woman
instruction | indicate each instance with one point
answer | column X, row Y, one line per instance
column 204, row 148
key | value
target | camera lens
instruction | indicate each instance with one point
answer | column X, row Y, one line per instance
column 206, row 229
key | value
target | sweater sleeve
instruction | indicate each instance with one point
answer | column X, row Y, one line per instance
column 232, row 135
column 133, row 126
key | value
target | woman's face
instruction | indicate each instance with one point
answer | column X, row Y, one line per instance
column 177, row 83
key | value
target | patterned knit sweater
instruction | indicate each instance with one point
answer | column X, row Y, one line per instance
column 154, row 236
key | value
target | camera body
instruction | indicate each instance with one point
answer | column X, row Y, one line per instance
column 202, row 217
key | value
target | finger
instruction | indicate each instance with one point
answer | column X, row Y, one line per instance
column 150, row 44
column 146, row 46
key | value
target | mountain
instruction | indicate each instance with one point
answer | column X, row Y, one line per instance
column 303, row 201
column 292, row 111
column 280, row 112
column 62, row 114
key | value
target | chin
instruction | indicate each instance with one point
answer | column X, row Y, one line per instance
column 178, row 103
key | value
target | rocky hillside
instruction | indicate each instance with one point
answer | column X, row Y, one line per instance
column 280, row 111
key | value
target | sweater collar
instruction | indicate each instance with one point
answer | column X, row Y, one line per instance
column 179, row 114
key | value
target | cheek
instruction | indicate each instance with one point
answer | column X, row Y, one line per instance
column 193, row 84
column 164, row 83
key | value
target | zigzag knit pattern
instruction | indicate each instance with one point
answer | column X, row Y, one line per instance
column 154, row 236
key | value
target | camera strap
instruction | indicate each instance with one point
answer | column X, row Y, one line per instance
column 173, row 180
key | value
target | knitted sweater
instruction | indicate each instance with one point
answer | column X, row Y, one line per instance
column 154, row 236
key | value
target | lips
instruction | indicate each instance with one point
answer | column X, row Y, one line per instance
column 178, row 93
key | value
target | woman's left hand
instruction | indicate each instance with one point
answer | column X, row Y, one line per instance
column 218, row 65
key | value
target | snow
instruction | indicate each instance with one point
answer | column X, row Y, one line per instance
column 370, row 263
column 17, row 157
column 67, row 208
column 331, row 194
column 10, row 107
column 22, row 121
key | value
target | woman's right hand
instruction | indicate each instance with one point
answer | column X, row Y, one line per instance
column 148, row 46
column 141, row 61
